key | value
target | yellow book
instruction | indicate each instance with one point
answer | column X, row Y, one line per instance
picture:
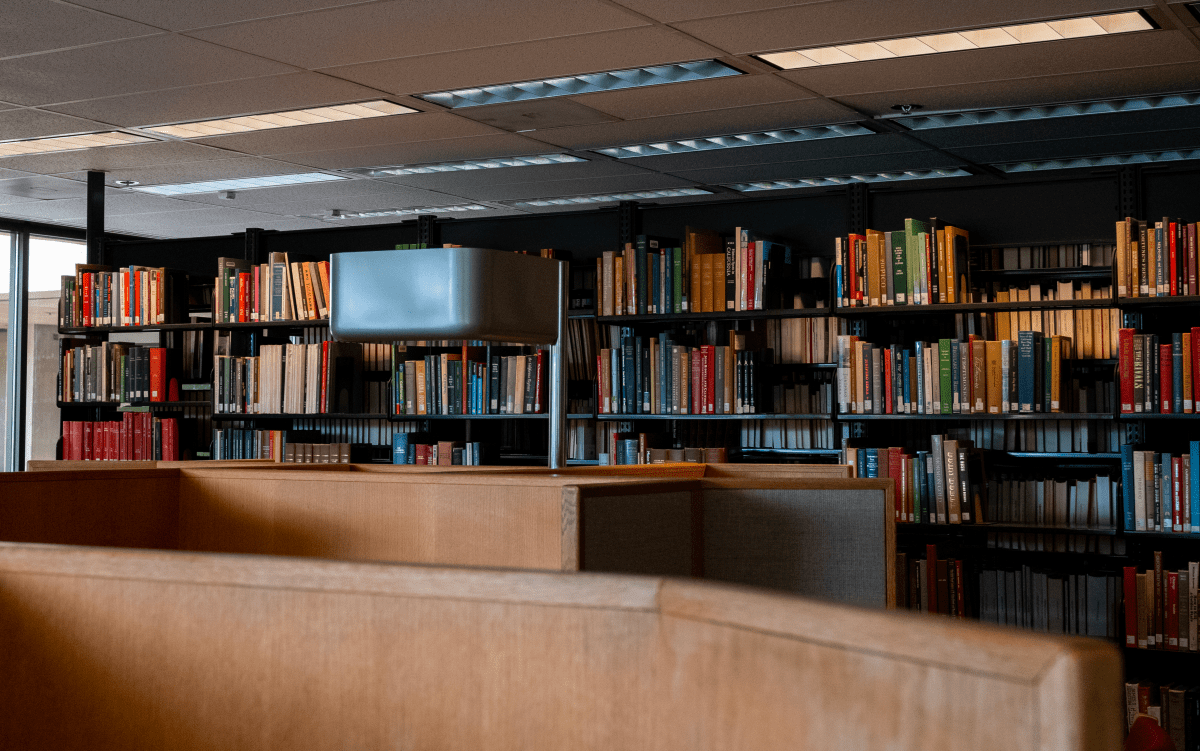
column 604, row 294
column 705, row 262
column 943, row 276
column 1122, row 258
column 1056, row 355
column 420, row 379
column 631, row 280
column 1086, row 319
column 957, row 289
column 994, row 375
column 876, row 282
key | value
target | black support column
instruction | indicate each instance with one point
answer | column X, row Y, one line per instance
column 95, row 218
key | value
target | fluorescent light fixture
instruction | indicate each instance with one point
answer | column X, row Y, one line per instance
column 766, row 138
column 996, row 36
column 474, row 164
column 1100, row 161
column 288, row 119
column 1016, row 114
column 240, row 183
column 585, row 84
column 409, row 212
column 69, row 143
column 610, row 197
column 824, row 182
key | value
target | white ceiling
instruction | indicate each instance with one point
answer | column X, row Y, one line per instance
column 71, row 66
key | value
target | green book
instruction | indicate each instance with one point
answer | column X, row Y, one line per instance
column 677, row 278
column 944, row 375
column 900, row 278
column 914, row 281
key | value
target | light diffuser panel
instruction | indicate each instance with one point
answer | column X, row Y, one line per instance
column 474, row 164
column 1014, row 114
column 409, row 212
column 1115, row 160
column 824, row 182
column 241, row 183
column 997, row 36
column 610, row 197
column 766, row 138
column 288, row 119
column 583, row 84
column 69, row 143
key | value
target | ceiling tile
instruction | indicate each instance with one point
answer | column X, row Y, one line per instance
column 26, row 123
column 373, row 131
column 180, row 16
column 826, row 148
column 818, row 24
column 116, row 204
column 455, row 181
column 224, row 99
column 672, row 10
column 693, row 96
column 32, row 26
column 311, row 192
column 560, row 188
column 1073, row 87
column 383, row 30
column 198, row 171
column 43, row 188
column 1131, row 125
column 373, row 221
column 999, row 63
column 716, row 123
column 111, row 158
column 538, row 114
column 819, row 168
column 399, row 199
column 142, row 64
column 421, row 152
column 1076, row 147
column 588, row 53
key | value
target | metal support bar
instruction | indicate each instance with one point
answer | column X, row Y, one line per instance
column 629, row 222
column 1129, row 191
column 15, row 387
column 254, row 246
column 429, row 233
column 558, row 376
column 95, row 218
column 856, row 194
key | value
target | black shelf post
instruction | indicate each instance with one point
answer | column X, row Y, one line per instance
column 95, row 218
column 429, row 233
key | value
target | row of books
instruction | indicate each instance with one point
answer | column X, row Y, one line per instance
column 788, row 434
column 1174, row 706
column 1093, row 331
column 113, row 372
column 581, row 440
column 703, row 274
column 1057, row 542
column 581, row 349
column 1161, row 491
column 1060, row 256
column 324, row 377
column 316, row 453
column 1051, row 602
column 132, row 296
column 935, row 585
column 1082, row 503
column 626, row 451
column 1048, row 436
column 278, row 290
column 944, row 485
column 656, row 375
column 243, row 443
column 949, row 376
column 804, row 340
column 1156, row 373
column 136, row 436
column 1161, row 607
column 413, row 448
column 446, row 384
column 927, row 262
column 1156, row 258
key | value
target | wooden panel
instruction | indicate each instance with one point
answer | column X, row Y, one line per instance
column 640, row 528
column 138, row 650
column 119, row 508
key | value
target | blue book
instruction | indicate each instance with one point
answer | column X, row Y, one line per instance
column 928, row 491
column 837, row 282
column 1194, row 477
column 1127, row 499
column 906, row 369
column 862, row 462
column 629, row 368
column 919, row 487
column 1177, row 373
column 872, row 462
column 400, row 448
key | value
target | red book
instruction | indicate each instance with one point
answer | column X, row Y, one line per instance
column 1191, row 258
column 324, row 406
column 85, row 297
column 127, row 436
column 601, row 394
column 158, row 374
column 88, row 434
column 888, row 393
column 257, row 281
column 242, row 291
column 111, row 434
column 1174, row 268
column 1171, row 611
column 422, row 454
column 173, row 390
column 1177, row 493
column 959, row 590
column 137, row 297
column 537, row 386
column 751, row 249
column 1164, row 381
column 710, row 374
column 1131, row 606
column 853, row 250
column 893, row 463
column 137, row 437
column 931, row 576
column 694, row 371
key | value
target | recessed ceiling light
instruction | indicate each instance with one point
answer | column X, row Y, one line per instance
column 1100, row 161
column 584, row 84
column 610, row 197
column 241, row 183
column 69, row 143
column 996, row 36
column 125, row 183
column 823, row 182
column 765, row 138
column 338, row 214
column 288, row 119
column 474, row 164
column 1041, row 112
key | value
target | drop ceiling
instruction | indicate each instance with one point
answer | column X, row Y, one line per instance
column 78, row 66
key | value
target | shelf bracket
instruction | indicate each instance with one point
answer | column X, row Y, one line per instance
column 629, row 222
column 1131, row 319
column 428, row 232
column 1129, row 191
column 856, row 195
column 858, row 327
column 858, row 429
column 1135, row 432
